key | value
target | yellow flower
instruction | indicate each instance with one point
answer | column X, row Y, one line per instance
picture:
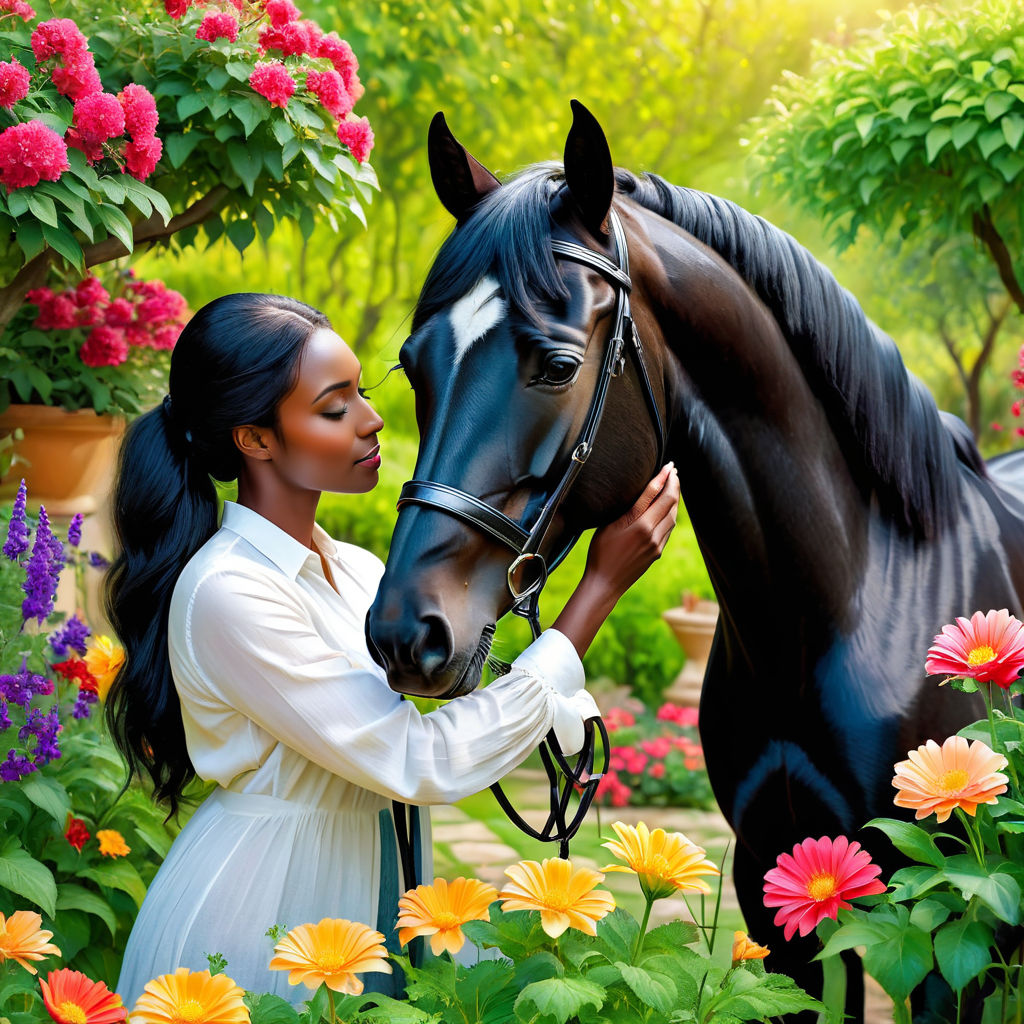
column 331, row 952
column 190, row 997
column 440, row 910
column 23, row 938
column 744, row 948
column 112, row 843
column 564, row 895
column 665, row 862
column 104, row 658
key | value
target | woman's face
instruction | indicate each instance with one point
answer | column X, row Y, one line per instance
column 327, row 432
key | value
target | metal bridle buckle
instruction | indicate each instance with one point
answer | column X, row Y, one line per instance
column 581, row 452
column 533, row 587
column 618, row 363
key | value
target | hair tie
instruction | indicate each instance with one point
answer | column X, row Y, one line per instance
column 169, row 413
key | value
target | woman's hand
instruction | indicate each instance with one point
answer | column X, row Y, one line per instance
column 620, row 553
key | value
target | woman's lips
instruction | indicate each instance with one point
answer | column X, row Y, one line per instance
column 372, row 459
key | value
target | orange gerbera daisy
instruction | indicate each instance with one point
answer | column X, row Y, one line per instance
column 989, row 648
column 331, row 952
column 23, row 938
column 935, row 779
column 112, row 843
column 744, row 948
column 665, row 862
column 440, row 910
column 564, row 895
column 72, row 998
column 194, row 996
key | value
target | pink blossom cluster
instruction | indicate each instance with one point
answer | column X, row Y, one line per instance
column 17, row 8
column 148, row 315
column 1017, row 376
column 74, row 72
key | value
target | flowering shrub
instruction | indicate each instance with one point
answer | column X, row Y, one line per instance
column 75, row 854
column 655, row 760
column 949, row 913
column 87, row 347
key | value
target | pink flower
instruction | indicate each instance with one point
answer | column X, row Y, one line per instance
column 58, row 37
column 341, row 55
column 280, row 12
column 657, row 770
column 618, row 718
column 88, row 316
column 137, row 336
column 330, row 90
column 669, row 712
column 16, row 7
column 161, row 305
column 271, row 80
column 1015, row 408
column 93, row 150
column 218, row 26
column 119, row 313
column 818, row 878
column 89, row 292
column 105, row 346
column 995, row 426
column 13, row 83
column 293, row 39
column 166, row 337
column 988, row 648
column 358, row 136
column 29, row 153
column 140, row 117
column 141, row 156
column 56, row 312
column 177, row 8
column 78, row 77
column 98, row 117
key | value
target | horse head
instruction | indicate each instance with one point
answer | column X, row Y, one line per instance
column 506, row 354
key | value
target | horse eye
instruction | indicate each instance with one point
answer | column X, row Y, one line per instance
column 559, row 368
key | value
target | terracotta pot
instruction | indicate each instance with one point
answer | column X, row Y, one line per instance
column 694, row 629
column 69, row 457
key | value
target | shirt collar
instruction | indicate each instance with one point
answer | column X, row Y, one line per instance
column 270, row 540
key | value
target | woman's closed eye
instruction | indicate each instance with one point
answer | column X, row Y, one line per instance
column 362, row 392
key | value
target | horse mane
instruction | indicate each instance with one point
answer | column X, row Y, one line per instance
column 882, row 414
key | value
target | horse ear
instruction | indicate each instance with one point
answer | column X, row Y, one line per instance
column 588, row 169
column 459, row 179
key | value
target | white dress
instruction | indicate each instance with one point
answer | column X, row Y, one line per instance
column 286, row 711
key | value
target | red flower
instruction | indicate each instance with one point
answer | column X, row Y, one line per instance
column 13, row 83
column 341, row 55
column 293, row 39
column 669, row 712
column 141, row 156
column 71, row 998
column 78, row 77
column 56, row 312
column 358, row 136
column 18, row 7
column 98, row 117
column 1015, row 408
column 280, row 12
column 76, row 670
column 29, row 153
column 330, row 90
column 89, row 291
column 618, row 718
column 119, row 314
column 160, row 305
column 105, row 346
column 271, row 80
column 218, row 26
column 177, row 8
column 58, row 37
column 140, row 116
column 76, row 833
column 988, row 648
column 166, row 337
column 818, row 878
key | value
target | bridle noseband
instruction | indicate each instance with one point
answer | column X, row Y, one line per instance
column 526, row 543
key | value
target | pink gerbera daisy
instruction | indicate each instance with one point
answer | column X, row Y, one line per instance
column 988, row 648
column 818, row 878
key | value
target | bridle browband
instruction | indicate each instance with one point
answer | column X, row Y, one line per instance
column 526, row 543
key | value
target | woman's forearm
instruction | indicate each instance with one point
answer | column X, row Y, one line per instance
column 584, row 612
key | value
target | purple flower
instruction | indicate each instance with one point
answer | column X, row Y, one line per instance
column 45, row 728
column 17, row 528
column 5, row 719
column 21, row 688
column 73, row 634
column 84, row 700
column 39, row 586
column 75, row 530
column 97, row 561
column 15, row 767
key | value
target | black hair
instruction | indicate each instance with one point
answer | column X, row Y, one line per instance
column 236, row 359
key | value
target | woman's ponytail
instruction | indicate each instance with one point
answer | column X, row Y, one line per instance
column 234, row 362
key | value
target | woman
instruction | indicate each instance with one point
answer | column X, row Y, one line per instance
column 246, row 658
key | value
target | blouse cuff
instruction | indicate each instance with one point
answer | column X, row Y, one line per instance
column 553, row 658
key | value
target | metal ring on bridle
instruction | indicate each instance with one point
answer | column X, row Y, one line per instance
column 537, row 584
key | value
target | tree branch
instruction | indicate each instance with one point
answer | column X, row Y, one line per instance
column 985, row 230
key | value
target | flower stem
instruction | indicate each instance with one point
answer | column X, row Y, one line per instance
column 972, row 836
column 643, row 931
column 330, row 1005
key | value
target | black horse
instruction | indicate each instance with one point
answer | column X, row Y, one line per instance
column 843, row 519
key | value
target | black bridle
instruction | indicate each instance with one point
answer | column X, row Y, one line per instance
column 526, row 543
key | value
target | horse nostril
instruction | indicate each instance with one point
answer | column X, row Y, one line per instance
column 432, row 649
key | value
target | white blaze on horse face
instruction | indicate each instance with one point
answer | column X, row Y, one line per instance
column 475, row 314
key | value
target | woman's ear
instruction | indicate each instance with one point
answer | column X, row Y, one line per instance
column 249, row 440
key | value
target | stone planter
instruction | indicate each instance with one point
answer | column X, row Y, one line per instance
column 69, row 457
column 693, row 625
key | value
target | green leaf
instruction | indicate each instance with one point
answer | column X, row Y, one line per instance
column 899, row 149
column 75, row 897
column 935, row 141
column 113, row 189
column 903, row 107
column 996, row 889
column 559, row 998
column 239, row 70
column 250, row 112
column 246, row 163
column 65, row 244
column 979, row 69
column 670, row 937
column 947, row 110
column 22, row 874
column 217, row 78
column 910, row 839
column 1009, row 165
column 963, row 132
column 866, row 187
column 996, row 104
column 963, row 951
column 650, row 987
column 118, row 874
column 48, row 794
column 864, row 123
column 901, row 958
column 190, row 104
column 117, row 224
column 241, row 234
column 928, row 914
column 44, row 209
column 180, row 146
column 1013, row 129
column 30, row 238
column 265, row 1008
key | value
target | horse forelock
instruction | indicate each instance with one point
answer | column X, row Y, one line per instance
column 880, row 412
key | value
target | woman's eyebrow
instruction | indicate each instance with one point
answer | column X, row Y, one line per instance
column 331, row 387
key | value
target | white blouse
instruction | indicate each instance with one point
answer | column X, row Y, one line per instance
column 285, row 709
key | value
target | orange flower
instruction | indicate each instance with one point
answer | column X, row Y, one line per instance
column 743, row 948
column 440, row 910
column 194, row 996
column 23, row 938
column 564, row 896
column 72, row 998
column 332, row 953
column 989, row 648
column 104, row 657
column 112, row 843
column 665, row 862
column 936, row 779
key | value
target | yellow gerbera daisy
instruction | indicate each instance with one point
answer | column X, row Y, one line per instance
column 564, row 895
column 194, row 997
column 104, row 658
column 440, row 910
column 23, row 938
column 112, row 843
column 744, row 948
column 331, row 952
column 665, row 862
